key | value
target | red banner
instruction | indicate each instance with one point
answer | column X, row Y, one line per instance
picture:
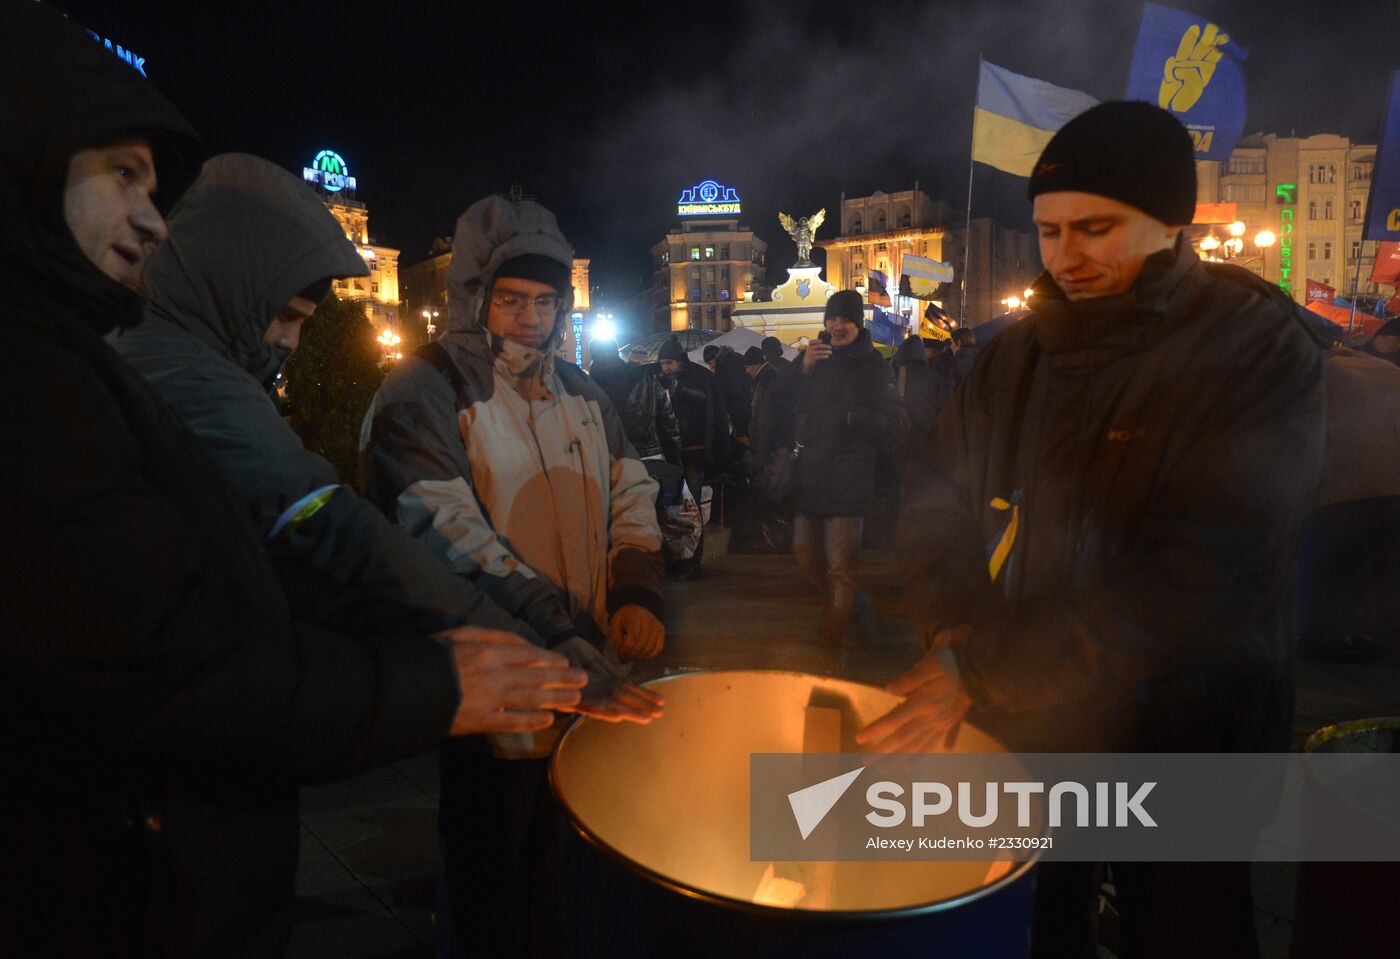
column 1387, row 268
column 1393, row 307
column 1320, row 292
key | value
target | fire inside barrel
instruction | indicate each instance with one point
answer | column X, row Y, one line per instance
column 672, row 799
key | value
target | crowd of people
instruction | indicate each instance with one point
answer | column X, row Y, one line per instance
column 1100, row 519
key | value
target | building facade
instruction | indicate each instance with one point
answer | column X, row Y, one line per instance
column 877, row 231
column 330, row 176
column 708, row 263
column 1310, row 192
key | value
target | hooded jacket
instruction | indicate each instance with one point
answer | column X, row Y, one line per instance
column 509, row 458
column 245, row 239
column 1113, row 503
column 848, row 414
column 160, row 705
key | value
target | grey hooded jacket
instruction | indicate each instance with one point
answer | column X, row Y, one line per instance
column 521, row 465
column 245, row 239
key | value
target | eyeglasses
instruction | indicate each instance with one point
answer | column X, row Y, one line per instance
column 516, row 303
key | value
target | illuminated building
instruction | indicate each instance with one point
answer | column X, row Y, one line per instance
column 379, row 291
column 1310, row 192
column 877, row 231
column 707, row 264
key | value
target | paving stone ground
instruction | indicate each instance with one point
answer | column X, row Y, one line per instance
column 369, row 863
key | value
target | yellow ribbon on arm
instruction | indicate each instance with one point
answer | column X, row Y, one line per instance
column 308, row 509
column 1008, row 537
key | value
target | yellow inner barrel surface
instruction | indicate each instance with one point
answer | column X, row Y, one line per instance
column 673, row 797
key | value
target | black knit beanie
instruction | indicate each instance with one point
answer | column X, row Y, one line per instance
column 537, row 267
column 671, row 349
column 1128, row 151
column 710, row 352
column 753, row 356
column 845, row 303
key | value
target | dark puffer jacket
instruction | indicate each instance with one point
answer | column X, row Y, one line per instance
column 848, row 414
column 643, row 406
column 1149, row 460
column 160, row 705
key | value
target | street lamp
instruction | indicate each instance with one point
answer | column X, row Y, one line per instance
column 389, row 339
column 604, row 328
column 429, row 316
column 1216, row 250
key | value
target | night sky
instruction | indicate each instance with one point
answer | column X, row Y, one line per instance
column 605, row 115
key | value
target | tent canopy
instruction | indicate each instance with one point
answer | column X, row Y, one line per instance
column 738, row 340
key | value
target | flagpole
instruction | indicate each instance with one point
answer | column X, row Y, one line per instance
column 1355, row 280
column 967, row 227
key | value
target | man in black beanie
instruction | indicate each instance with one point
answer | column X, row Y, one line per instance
column 1101, row 541
column 848, row 415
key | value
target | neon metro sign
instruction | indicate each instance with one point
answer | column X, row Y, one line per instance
column 708, row 198
column 1285, row 193
column 330, row 172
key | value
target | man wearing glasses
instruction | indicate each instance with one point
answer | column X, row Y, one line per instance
column 498, row 455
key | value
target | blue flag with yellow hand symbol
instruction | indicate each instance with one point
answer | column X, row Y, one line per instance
column 1383, row 204
column 1192, row 68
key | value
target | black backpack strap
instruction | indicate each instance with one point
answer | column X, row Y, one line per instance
column 435, row 355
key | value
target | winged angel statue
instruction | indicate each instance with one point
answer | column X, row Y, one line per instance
column 802, row 231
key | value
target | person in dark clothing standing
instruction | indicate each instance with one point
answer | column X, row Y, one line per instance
column 848, row 414
column 162, row 706
column 772, row 348
column 703, row 421
column 1101, row 544
column 736, row 387
column 964, row 349
column 644, row 407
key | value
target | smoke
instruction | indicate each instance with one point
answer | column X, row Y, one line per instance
column 805, row 106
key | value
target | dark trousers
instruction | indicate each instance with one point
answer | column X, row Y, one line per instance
column 1166, row 910
column 499, row 830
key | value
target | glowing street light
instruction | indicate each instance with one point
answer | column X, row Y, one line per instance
column 429, row 316
column 1265, row 239
column 603, row 327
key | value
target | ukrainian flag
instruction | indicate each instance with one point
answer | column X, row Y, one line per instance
column 1016, row 116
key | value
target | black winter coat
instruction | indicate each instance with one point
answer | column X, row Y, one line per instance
column 160, row 705
column 701, row 413
column 848, row 414
column 644, row 407
column 1149, row 459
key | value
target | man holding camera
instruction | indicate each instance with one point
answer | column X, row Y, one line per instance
column 847, row 413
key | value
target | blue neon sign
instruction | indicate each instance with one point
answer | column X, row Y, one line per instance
column 708, row 198
column 330, row 172
column 137, row 63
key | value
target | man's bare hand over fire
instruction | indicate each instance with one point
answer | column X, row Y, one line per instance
column 935, row 703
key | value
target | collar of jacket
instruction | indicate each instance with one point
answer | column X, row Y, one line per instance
column 525, row 368
column 859, row 349
column 1087, row 333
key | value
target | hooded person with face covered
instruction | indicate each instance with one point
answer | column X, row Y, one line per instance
column 251, row 252
column 162, row 705
column 495, row 452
